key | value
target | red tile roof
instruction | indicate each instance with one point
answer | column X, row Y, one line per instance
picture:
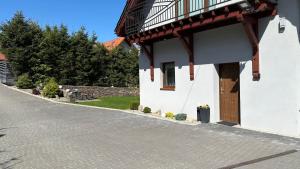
column 2, row 57
column 110, row 45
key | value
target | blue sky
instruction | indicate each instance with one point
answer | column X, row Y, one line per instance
column 99, row 16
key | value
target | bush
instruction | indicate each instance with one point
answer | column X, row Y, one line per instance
column 181, row 117
column 24, row 82
column 42, row 82
column 51, row 89
column 170, row 115
column 147, row 110
column 134, row 106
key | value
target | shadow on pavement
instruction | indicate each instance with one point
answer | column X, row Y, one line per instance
column 260, row 159
column 9, row 164
column 12, row 162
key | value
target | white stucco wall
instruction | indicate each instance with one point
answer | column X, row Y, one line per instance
column 184, row 98
column 271, row 104
column 211, row 48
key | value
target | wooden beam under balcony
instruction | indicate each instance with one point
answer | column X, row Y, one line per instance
column 188, row 44
column 206, row 5
column 148, row 49
column 186, row 8
column 251, row 28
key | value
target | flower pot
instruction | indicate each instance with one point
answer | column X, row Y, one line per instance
column 203, row 115
column 181, row 117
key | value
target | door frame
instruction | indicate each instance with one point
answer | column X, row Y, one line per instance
column 239, row 91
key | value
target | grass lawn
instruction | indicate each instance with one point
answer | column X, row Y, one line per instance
column 120, row 102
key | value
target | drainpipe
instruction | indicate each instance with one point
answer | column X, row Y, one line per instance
column 298, row 69
column 298, row 84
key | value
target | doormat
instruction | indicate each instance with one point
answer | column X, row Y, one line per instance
column 227, row 123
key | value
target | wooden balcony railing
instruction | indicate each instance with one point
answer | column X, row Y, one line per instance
column 148, row 15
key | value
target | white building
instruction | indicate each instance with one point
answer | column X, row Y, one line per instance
column 241, row 57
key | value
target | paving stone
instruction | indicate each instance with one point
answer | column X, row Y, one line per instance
column 38, row 134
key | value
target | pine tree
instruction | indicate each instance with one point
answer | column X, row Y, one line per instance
column 71, row 59
column 132, row 67
column 99, row 64
column 117, row 70
column 19, row 40
column 52, row 52
column 81, row 48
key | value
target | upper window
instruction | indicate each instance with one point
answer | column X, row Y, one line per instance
column 168, row 75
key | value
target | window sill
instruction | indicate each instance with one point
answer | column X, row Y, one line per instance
column 168, row 88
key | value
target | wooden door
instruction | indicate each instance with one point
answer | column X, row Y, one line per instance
column 229, row 92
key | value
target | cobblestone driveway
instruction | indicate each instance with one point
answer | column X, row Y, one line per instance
column 37, row 134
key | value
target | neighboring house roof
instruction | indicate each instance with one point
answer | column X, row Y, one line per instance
column 110, row 45
column 2, row 57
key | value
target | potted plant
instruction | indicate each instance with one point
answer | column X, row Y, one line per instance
column 181, row 117
column 203, row 113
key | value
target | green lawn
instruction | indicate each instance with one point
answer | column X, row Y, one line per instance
column 122, row 102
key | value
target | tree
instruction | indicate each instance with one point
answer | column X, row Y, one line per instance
column 68, row 69
column 116, row 69
column 19, row 40
column 81, row 49
column 53, row 49
column 123, row 67
column 99, row 65
column 132, row 67
column 75, row 59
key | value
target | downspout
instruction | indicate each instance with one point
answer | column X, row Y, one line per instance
column 298, row 69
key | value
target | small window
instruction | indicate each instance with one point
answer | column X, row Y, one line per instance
column 168, row 76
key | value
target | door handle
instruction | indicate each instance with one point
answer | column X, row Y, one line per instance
column 222, row 90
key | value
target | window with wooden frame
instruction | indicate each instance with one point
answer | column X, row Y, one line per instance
column 168, row 76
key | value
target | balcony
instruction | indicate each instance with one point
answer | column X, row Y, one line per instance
column 151, row 15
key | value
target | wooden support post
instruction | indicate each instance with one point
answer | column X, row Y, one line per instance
column 191, row 57
column 176, row 10
column 188, row 44
column 206, row 5
column 251, row 28
column 186, row 6
column 150, row 55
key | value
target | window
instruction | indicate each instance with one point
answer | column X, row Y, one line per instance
column 168, row 76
